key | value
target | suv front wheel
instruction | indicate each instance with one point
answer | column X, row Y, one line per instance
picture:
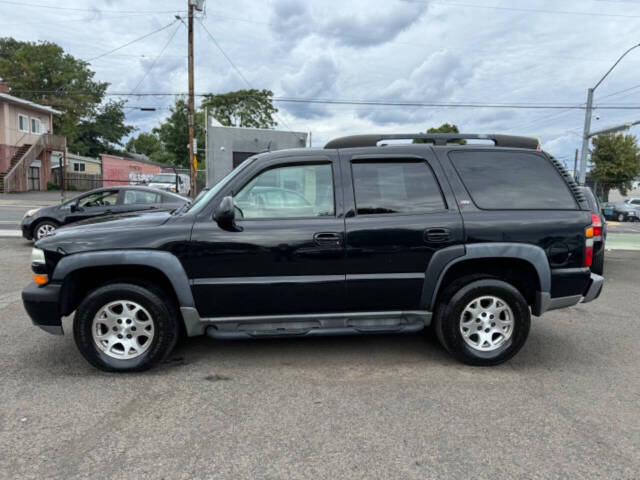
column 125, row 327
column 484, row 322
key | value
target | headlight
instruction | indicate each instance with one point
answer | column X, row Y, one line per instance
column 30, row 213
column 37, row 256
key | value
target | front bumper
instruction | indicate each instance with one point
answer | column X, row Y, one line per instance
column 26, row 231
column 42, row 303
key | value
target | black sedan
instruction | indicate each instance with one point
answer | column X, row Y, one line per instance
column 99, row 202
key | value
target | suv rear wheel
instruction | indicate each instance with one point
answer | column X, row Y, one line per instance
column 484, row 322
column 125, row 327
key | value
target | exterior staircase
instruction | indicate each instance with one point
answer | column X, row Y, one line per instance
column 14, row 161
column 15, row 179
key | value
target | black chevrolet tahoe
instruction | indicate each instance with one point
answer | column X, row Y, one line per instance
column 366, row 235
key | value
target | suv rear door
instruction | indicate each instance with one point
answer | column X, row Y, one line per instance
column 399, row 211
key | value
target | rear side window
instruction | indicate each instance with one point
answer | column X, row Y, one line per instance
column 395, row 187
column 512, row 180
column 134, row 197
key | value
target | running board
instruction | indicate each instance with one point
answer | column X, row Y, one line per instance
column 351, row 323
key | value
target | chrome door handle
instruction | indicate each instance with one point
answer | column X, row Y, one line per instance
column 327, row 239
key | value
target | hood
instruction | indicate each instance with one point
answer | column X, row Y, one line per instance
column 115, row 231
column 162, row 185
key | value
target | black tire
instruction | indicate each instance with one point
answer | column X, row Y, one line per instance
column 597, row 265
column 163, row 316
column 451, row 306
column 621, row 217
column 43, row 223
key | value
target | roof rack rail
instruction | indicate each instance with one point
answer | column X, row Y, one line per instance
column 437, row 139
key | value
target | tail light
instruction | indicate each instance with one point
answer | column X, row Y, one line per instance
column 597, row 225
column 588, row 251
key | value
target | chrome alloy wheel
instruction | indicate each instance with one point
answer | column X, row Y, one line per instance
column 123, row 329
column 486, row 323
column 44, row 230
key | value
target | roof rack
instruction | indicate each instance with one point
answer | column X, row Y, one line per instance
column 437, row 138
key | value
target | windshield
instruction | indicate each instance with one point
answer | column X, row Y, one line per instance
column 200, row 201
column 164, row 178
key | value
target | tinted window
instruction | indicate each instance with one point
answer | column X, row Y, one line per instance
column 395, row 187
column 132, row 197
column 512, row 180
column 287, row 192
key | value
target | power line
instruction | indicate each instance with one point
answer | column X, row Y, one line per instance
column 131, row 42
column 92, row 10
column 237, row 70
column 155, row 60
column 391, row 103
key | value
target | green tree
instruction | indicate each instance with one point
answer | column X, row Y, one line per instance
column 149, row 144
column 242, row 108
column 615, row 163
column 101, row 131
column 444, row 128
column 42, row 72
column 173, row 133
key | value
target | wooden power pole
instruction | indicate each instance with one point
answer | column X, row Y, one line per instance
column 191, row 113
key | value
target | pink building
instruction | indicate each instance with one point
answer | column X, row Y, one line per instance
column 127, row 171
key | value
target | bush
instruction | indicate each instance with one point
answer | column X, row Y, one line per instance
column 52, row 186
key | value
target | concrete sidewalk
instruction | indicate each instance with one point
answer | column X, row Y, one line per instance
column 38, row 199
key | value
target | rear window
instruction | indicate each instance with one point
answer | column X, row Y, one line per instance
column 395, row 187
column 512, row 180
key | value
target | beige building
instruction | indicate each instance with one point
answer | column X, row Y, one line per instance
column 26, row 142
column 77, row 164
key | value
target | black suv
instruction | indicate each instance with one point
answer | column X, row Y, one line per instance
column 350, row 239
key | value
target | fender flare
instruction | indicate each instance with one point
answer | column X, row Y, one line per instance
column 164, row 261
column 444, row 259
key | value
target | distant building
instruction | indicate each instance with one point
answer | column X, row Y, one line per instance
column 128, row 170
column 228, row 147
column 77, row 164
column 26, row 142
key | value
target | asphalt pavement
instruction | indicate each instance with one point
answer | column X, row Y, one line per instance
column 567, row 406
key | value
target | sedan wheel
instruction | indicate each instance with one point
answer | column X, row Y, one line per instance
column 620, row 217
column 43, row 229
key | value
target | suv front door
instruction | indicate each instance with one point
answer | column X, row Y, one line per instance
column 398, row 214
column 287, row 256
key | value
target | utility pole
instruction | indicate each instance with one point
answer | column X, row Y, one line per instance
column 191, row 113
column 585, row 138
column 575, row 166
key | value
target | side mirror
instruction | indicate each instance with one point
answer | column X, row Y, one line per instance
column 225, row 215
column 74, row 208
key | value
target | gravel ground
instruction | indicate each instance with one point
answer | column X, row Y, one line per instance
column 567, row 406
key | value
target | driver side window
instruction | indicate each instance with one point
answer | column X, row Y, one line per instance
column 99, row 199
column 290, row 191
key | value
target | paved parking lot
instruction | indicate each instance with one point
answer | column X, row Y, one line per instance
column 352, row 407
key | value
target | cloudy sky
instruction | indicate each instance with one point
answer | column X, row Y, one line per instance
column 534, row 52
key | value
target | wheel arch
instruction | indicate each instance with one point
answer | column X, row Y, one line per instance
column 488, row 258
column 81, row 272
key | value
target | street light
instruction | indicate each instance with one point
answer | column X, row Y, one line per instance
column 587, row 118
column 616, row 129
